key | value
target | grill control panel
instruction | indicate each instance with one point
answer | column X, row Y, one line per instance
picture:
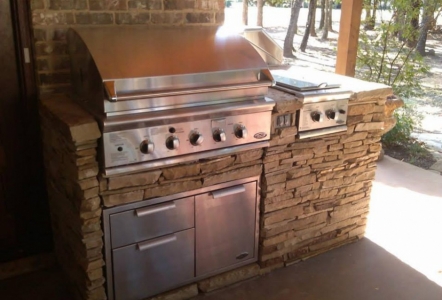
column 170, row 140
column 324, row 114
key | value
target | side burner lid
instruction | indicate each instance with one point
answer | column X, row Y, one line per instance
column 302, row 82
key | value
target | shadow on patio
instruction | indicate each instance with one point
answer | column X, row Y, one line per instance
column 362, row 270
column 400, row 258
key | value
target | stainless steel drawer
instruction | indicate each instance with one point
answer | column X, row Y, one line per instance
column 151, row 221
column 154, row 266
column 225, row 227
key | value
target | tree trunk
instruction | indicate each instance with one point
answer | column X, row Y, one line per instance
column 260, row 7
column 414, row 23
column 427, row 17
column 367, row 12
column 422, row 40
column 375, row 9
column 312, row 28
column 367, row 7
column 309, row 25
column 400, row 21
column 326, row 22
column 291, row 30
column 370, row 16
column 245, row 12
column 433, row 21
column 330, row 12
column 321, row 22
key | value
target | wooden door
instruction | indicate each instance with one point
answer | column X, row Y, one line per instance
column 24, row 217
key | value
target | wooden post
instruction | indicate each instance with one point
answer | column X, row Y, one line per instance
column 348, row 37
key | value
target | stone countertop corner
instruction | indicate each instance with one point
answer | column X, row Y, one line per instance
column 73, row 120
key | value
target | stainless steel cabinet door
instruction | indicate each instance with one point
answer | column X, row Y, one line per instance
column 151, row 221
column 154, row 266
column 225, row 222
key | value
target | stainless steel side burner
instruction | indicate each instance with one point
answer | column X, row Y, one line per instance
column 168, row 95
column 325, row 103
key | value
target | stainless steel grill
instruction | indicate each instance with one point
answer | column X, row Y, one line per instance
column 325, row 103
column 169, row 95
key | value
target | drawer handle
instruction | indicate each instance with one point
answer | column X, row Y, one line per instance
column 242, row 255
column 141, row 212
column 158, row 242
column 229, row 191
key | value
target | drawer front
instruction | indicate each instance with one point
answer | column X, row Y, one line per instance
column 151, row 221
column 225, row 227
column 154, row 266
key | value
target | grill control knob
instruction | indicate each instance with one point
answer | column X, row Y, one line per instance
column 147, row 147
column 196, row 138
column 240, row 131
column 317, row 116
column 172, row 143
column 332, row 114
column 219, row 135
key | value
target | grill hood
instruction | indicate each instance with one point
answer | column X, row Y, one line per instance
column 119, row 70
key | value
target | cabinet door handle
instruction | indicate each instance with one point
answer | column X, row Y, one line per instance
column 229, row 191
column 242, row 255
column 157, row 242
column 152, row 210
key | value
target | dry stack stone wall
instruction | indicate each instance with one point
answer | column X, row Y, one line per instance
column 70, row 140
column 78, row 193
column 315, row 192
column 52, row 18
column 123, row 189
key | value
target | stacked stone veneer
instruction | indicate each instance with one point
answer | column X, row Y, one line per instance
column 78, row 193
column 70, row 141
column 186, row 177
column 52, row 18
column 315, row 192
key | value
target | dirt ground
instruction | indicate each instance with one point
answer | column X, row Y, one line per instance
column 321, row 55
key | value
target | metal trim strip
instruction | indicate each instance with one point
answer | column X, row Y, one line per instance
column 154, row 94
column 318, row 132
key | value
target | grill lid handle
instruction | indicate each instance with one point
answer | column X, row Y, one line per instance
column 115, row 95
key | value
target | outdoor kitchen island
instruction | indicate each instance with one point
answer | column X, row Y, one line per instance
column 313, row 193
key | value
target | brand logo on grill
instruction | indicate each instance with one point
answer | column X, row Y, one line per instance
column 260, row 135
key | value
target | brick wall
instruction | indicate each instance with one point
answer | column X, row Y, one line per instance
column 52, row 18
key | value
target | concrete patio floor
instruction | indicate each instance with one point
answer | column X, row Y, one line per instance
column 400, row 258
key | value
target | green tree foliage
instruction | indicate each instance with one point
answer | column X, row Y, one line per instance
column 385, row 58
column 385, row 55
column 407, row 119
